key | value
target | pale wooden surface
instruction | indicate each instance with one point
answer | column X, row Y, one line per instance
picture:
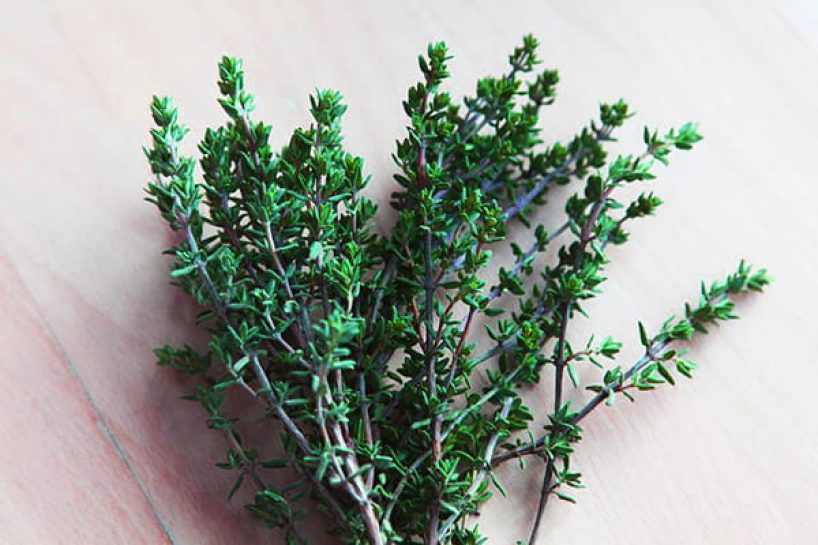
column 96, row 447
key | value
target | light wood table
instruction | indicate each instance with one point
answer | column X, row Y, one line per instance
column 97, row 448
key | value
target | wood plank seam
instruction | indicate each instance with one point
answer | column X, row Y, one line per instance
column 102, row 422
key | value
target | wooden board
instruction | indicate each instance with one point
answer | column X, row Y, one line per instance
column 98, row 449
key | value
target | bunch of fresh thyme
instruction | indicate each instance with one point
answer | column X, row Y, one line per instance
column 360, row 346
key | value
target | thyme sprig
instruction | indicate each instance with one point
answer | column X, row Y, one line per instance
column 362, row 346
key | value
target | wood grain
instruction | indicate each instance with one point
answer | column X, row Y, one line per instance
column 98, row 449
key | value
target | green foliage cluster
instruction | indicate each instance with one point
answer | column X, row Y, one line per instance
column 360, row 346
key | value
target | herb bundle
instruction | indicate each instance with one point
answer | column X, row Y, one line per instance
column 360, row 346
